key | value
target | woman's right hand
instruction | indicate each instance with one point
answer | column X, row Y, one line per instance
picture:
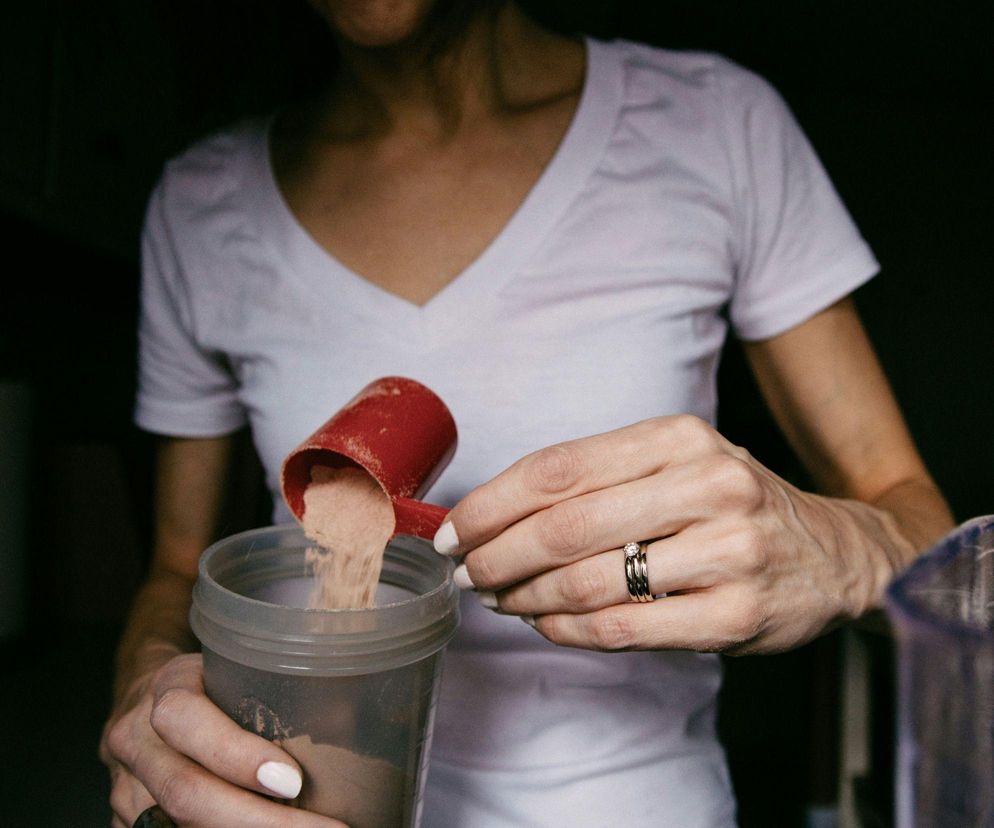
column 170, row 745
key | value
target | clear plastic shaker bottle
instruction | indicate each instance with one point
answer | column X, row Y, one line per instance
column 348, row 693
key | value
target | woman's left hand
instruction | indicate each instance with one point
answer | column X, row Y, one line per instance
column 748, row 563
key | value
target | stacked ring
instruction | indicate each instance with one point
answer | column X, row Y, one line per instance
column 637, row 572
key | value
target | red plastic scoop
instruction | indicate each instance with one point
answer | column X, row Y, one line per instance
column 396, row 429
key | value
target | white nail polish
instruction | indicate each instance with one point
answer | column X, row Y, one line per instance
column 461, row 578
column 282, row 779
column 446, row 541
column 529, row 620
column 489, row 600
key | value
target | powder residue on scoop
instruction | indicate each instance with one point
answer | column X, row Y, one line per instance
column 351, row 519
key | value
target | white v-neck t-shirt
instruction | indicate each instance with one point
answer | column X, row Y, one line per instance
column 683, row 188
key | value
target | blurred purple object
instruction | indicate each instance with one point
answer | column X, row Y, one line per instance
column 942, row 609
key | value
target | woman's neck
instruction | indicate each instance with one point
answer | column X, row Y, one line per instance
column 433, row 84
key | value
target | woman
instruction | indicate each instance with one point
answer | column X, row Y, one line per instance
column 544, row 230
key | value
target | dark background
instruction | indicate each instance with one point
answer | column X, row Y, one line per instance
column 94, row 96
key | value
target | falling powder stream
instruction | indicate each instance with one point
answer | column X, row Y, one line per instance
column 351, row 519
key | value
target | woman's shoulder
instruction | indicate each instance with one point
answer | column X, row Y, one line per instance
column 211, row 172
column 692, row 75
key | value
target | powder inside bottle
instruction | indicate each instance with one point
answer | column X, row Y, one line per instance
column 363, row 791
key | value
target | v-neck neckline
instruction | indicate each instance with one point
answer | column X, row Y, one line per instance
column 581, row 146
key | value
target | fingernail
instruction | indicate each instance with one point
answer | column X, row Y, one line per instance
column 529, row 620
column 489, row 600
column 461, row 578
column 446, row 541
column 282, row 779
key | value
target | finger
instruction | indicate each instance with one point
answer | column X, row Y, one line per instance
column 570, row 469
column 192, row 796
column 702, row 556
column 713, row 620
column 128, row 796
column 669, row 502
column 215, row 741
column 149, row 771
column 674, row 564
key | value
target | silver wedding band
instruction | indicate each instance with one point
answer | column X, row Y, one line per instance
column 637, row 572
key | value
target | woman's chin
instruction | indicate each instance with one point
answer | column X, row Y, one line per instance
column 374, row 23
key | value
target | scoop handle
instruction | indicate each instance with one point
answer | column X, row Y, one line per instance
column 417, row 518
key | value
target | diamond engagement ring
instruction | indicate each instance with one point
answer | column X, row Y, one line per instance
column 637, row 572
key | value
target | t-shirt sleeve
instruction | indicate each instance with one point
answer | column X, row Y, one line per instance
column 798, row 250
column 184, row 390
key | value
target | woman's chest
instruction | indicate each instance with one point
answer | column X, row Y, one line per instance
column 410, row 216
column 546, row 359
column 606, row 314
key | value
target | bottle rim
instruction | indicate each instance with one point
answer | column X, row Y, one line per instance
column 288, row 639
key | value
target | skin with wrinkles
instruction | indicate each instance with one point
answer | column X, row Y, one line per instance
column 749, row 563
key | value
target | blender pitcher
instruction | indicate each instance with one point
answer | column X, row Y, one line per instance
column 942, row 609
